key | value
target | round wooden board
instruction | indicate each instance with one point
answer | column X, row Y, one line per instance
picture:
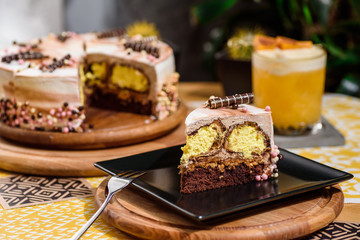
column 111, row 129
column 135, row 213
column 79, row 163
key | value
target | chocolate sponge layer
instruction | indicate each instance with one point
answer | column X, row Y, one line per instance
column 201, row 179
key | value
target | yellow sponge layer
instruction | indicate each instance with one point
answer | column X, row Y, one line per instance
column 201, row 142
column 247, row 140
column 99, row 70
column 128, row 77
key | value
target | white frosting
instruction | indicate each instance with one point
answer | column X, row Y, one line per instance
column 164, row 71
column 59, row 72
column 281, row 62
column 102, row 49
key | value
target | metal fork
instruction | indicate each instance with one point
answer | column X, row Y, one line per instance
column 115, row 184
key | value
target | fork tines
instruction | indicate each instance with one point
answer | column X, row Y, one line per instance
column 131, row 174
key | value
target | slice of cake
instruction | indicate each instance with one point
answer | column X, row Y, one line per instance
column 228, row 143
column 134, row 75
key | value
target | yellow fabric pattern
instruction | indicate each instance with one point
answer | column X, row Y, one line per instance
column 343, row 112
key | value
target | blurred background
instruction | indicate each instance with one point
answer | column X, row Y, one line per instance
column 199, row 31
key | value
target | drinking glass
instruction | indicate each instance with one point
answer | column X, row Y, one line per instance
column 292, row 83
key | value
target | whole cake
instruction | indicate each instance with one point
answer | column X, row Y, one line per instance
column 228, row 143
column 47, row 83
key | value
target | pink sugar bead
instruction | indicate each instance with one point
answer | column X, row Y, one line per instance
column 258, row 178
column 58, row 115
column 52, row 111
column 60, row 109
column 65, row 130
column 68, row 113
column 267, row 108
column 244, row 109
column 63, row 114
column 276, row 147
column 274, row 154
column 264, row 177
column 21, row 61
column 50, row 122
column 32, row 128
column 22, row 113
column 151, row 58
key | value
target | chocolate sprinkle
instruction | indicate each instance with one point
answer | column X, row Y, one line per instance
column 31, row 46
column 55, row 64
column 111, row 33
column 62, row 37
column 57, row 119
column 140, row 45
column 23, row 55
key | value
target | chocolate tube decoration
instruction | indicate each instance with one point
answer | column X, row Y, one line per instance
column 229, row 101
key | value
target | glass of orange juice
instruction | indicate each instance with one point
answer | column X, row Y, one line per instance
column 290, row 81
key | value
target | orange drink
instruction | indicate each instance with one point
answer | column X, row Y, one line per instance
column 291, row 82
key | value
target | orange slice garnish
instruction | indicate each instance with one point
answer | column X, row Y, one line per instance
column 289, row 43
column 304, row 44
column 262, row 42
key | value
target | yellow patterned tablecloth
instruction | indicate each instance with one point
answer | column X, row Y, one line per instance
column 343, row 112
column 60, row 220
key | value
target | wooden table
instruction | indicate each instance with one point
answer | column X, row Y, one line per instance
column 60, row 220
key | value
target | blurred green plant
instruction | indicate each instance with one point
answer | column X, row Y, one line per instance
column 336, row 25
column 206, row 11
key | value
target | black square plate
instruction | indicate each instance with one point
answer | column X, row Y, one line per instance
column 162, row 181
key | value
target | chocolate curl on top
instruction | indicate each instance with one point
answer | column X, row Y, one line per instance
column 229, row 101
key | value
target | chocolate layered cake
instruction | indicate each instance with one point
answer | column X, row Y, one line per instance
column 228, row 143
column 47, row 83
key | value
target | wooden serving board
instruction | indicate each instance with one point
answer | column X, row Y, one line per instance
column 111, row 129
column 135, row 213
column 79, row 163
